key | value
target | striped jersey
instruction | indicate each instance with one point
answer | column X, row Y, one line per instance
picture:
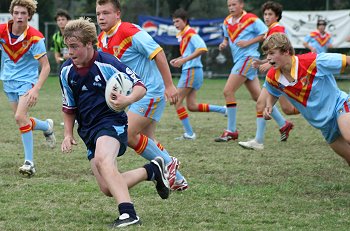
column 314, row 91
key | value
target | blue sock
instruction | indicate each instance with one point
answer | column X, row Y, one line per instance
column 231, row 121
column 183, row 116
column 187, row 126
column 216, row 108
column 260, row 129
column 277, row 116
column 152, row 151
column 37, row 124
column 27, row 140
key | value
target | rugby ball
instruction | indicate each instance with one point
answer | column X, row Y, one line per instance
column 120, row 83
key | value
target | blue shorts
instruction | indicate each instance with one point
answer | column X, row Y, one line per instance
column 331, row 131
column 150, row 107
column 244, row 67
column 118, row 132
column 14, row 89
column 192, row 77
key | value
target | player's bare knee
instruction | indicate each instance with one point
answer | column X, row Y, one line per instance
column 21, row 120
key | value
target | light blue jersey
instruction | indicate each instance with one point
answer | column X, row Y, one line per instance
column 136, row 48
column 247, row 27
column 319, row 41
column 314, row 92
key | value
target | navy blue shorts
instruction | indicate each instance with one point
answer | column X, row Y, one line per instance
column 118, row 132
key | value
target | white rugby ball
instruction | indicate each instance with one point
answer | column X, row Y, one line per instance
column 120, row 83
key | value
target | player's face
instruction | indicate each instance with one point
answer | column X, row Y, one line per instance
column 235, row 7
column 79, row 53
column 61, row 22
column 20, row 16
column 277, row 58
column 107, row 16
column 321, row 27
column 179, row 23
column 270, row 17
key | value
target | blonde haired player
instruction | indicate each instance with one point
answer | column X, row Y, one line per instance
column 307, row 81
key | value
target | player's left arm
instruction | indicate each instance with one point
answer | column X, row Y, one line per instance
column 33, row 93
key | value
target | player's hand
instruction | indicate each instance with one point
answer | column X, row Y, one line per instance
column 178, row 62
column 67, row 143
column 119, row 101
column 222, row 46
column 267, row 112
column 265, row 67
column 313, row 49
column 171, row 94
column 256, row 63
column 32, row 97
column 242, row 43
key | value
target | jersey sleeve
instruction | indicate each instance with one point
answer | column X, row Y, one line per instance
column 307, row 38
column 198, row 43
column 38, row 49
column 68, row 102
column 260, row 27
column 145, row 44
column 330, row 63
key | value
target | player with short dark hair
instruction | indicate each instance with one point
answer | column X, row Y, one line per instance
column 272, row 12
column 192, row 47
column 83, row 80
column 60, row 49
column 318, row 41
column 308, row 83
column 23, row 51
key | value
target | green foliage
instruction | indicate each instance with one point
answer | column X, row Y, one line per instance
column 300, row 184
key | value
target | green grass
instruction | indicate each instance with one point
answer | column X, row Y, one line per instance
column 300, row 184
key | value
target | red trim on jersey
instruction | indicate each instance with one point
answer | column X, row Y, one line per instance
column 321, row 39
column 235, row 29
column 185, row 40
column 275, row 28
column 17, row 50
column 306, row 73
column 120, row 41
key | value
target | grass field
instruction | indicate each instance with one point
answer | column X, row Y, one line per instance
column 295, row 185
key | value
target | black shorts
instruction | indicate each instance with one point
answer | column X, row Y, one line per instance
column 118, row 132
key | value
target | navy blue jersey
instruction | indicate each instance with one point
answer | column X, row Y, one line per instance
column 83, row 93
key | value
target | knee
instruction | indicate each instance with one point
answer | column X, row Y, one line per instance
column 228, row 93
column 20, row 120
column 288, row 110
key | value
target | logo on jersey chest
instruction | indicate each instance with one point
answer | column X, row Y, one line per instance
column 96, row 82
